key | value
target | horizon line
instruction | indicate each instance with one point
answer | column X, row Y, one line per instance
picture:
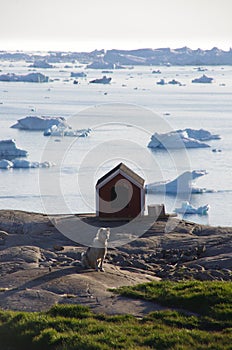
column 110, row 49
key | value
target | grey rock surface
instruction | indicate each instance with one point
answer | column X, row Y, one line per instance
column 40, row 266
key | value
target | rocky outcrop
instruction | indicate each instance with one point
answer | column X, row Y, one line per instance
column 189, row 251
column 39, row 266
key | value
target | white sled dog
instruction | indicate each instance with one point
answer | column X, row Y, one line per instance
column 95, row 255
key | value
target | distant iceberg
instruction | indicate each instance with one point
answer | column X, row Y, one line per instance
column 103, row 80
column 104, row 65
column 62, row 131
column 78, row 75
column 100, row 65
column 23, row 164
column 187, row 208
column 182, row 184
column 188, row 138
column 174, row 82
column 39, row 123
column 9, row 150
column 201, row 69
column 203, row 80
column 161, row 82
column 28, row 78
column 26, row 164
column 41, row 64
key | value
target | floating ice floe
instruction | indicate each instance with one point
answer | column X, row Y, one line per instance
column 174, row 82
column 188, row 138
column 9, row 150
column 187, row 208
column 201, row 69
column 107, row 71
column 161, row 82
column 39, row 123
column 78, row 75
column 103, row 80
column 182, row 184
column 61, row 131
column 23, row 164
column 28, row 78
column 203, row 80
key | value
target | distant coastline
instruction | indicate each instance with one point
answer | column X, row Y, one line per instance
column 110, row 59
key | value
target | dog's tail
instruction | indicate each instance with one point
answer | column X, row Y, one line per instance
column 84, row 260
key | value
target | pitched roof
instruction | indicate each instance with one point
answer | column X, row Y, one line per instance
column 124, row 169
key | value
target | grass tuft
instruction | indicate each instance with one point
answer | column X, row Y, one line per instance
column 198, row 317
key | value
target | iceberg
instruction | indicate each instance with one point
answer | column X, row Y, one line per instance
column 61, row 131
column 41, row 64
column 103, row 80
column 201, row 69
column 174, row 82
column 78, row 75
column 23, row 164
column 100, row 65
column 107, row 59
column 39, row 123
column 26, row 164
column 9, row 150
column 161, row 82
column 28, row 78
column 5, row 164
column 203, row 80
column 200, row 134
column 187, row 208
column 182, row 184
column 216, row 150
column 174, row 140
column 188, row 138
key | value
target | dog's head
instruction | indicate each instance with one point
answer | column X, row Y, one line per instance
column 103, row 233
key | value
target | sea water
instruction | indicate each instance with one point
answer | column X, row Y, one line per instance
column 122, row 116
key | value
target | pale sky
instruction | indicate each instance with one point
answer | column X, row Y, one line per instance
column 77, row 25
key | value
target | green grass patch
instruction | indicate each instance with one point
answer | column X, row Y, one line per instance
column 73, row 327
column 204, row 298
